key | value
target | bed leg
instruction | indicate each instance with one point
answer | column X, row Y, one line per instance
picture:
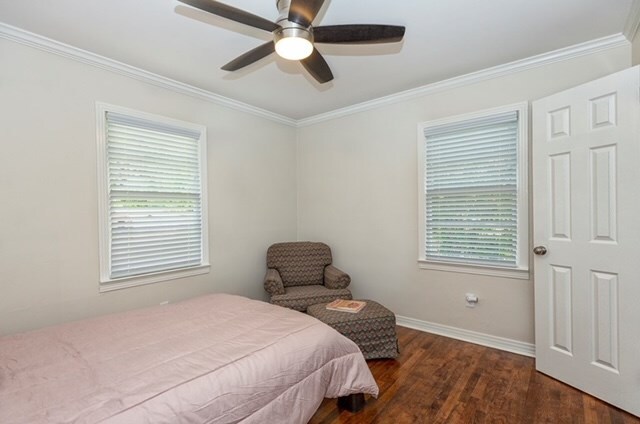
column 352, row 403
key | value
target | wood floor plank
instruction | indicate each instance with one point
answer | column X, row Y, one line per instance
column 440, row 380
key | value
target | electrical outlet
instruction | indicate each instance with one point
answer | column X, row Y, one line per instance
column 471, row 299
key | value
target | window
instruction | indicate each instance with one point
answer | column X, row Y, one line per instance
column 473, row 193
column 153, row 206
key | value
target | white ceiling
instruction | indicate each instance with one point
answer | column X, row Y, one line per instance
column 444, row 38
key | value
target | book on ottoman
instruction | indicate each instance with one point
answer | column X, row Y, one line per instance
column 343, row 305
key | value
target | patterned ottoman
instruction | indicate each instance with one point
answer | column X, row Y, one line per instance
column 373, row 328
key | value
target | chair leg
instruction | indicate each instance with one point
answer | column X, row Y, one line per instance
column 352, row 403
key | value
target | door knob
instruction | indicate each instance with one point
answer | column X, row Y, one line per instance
column 540, row 250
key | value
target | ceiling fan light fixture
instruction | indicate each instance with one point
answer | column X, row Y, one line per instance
column 294, row 34
column 294, row 43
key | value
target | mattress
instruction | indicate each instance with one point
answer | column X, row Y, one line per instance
column 212, row 359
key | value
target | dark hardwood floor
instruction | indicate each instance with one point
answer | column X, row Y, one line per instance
column 440, row 380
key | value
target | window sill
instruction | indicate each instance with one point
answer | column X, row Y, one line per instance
column 516, row 273
column 107, row 285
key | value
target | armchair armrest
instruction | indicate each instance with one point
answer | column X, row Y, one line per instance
column 335, row 278
column 273, row 282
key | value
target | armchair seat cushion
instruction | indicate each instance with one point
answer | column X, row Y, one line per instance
column 301, row 297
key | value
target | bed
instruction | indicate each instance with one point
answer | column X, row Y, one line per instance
column 212, row 359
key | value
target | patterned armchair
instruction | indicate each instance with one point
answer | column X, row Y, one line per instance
column 300, row 274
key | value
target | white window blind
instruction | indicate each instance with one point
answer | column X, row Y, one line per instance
column 471, row 191
column 155, row 210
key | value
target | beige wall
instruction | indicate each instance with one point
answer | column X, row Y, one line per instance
column 357, row 191
column 635, row 49
column 356, row 188
column 49, row 218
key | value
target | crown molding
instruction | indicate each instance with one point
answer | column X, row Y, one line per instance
column 40, row 42
column 633, row 21
column 27, row 38
column 559, row 55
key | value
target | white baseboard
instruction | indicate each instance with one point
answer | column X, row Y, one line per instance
column 509, row 345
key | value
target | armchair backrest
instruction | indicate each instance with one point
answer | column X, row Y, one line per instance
column 300, row 263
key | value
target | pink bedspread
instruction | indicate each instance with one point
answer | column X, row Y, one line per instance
column 213, row 359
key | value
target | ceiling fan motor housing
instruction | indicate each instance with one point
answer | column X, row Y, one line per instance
column 291, row 29
column 288, row 28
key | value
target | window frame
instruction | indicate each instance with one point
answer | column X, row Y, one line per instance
column 521, row 270
column 106, row 282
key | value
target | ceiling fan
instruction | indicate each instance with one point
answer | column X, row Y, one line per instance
column 294, row 36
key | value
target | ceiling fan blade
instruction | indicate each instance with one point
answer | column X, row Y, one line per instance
column 358, row 34
column 251, row 56
column 317, row 67
column 303, row 12
column 232, row 13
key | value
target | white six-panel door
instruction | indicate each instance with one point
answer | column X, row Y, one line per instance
column 586, row 184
